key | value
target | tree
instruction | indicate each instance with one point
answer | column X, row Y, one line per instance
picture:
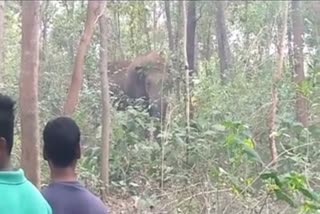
column 189, row 50
column 223, row 43
column 190, row 29
column 178, row 37
column 29, row 90
column 94, row 11
column 105, row 97
column 169, row 25
column 299, row 77
column 2, row 17
column 277, row 76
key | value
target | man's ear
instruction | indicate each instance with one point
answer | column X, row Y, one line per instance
column 78, row 152
column 3, row 144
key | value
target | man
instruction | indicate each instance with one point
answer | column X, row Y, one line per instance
column 18, row 195
column 61, row 149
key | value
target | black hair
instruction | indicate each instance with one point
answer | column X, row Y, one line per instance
column 7, row 120
column 61, row 138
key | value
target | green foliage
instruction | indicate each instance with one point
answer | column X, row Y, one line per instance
column 287, row 187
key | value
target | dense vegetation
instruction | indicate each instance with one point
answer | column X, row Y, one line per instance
column 226, row 167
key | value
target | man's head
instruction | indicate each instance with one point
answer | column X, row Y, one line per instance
column 61, row 138
column 6, row 129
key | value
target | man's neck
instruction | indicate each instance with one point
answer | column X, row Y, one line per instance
column 6, row 166
column 63, row 174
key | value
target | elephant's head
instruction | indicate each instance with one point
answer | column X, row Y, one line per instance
column 146, row 78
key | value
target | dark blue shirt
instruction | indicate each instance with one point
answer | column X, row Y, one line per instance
column 72, row 198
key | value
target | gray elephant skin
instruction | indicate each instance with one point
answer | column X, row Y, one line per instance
column 142, row 78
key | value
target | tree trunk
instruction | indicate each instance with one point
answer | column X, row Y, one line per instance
column 223, row 43
column 2, row 19
column 290, row 45
column 207, row 52
column 179, row 26
column 29, row 90
column 105, row 97
column 145, row 26
column 248, row 70
column 177, row 47
column 190, row 29
column 189, row 46
column 277, row 76
column 155, row 21
column 169, row 26
column 298, row 44
column 95, row 9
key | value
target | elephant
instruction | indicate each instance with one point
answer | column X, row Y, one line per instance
column 144, row 78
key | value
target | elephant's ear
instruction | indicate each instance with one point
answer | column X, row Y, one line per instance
column 140, row 73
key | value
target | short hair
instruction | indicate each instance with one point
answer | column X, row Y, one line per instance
column 7, row 120
column 61, row 138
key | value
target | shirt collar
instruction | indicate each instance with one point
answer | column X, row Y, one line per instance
column 13, row 177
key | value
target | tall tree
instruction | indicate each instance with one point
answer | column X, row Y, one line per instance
column 94, row 11
column 299, row 77
column 145, row 25
column 106, row 120
column 277, row 76
column 190, row 31
column 29, row 89
column 189, row 54
column 2, row 17
column 223, row 43
column 169, row 25
column 178, row 37
column 290, row 45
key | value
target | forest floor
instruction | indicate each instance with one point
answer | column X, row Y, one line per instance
column 198, row 204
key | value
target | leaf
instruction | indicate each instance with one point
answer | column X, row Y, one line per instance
column 219, row 127
column 252, row 154
column 268, row 175
column 249, row 142
column 308, row 194
column 273, row 176
column 284, row 197
column 311, row 206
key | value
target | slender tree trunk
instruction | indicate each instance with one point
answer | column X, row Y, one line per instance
column 223, row 43
column 106, row 120
column 277, row 76
column 249, row 72
column 189, row 54
column 29, row 90
column 290, row 44
column 178, row 38
column 179, row 27
column 155, row 21
column 169, row 26
column 2, row 20
column 190, row 29
column 207, row 53
column 298, row 44
column 95, row 9
column 145, row 26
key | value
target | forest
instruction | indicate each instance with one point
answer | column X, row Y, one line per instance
column 184, row 106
